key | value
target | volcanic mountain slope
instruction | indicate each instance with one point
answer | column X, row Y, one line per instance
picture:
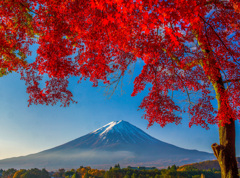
column 116, row 142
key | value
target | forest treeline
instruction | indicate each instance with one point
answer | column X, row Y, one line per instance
column 209, row 164
column 114, row 172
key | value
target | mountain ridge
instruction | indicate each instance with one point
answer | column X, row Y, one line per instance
column 115, row 142
column 113, row 132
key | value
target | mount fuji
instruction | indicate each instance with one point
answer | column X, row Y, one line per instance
column 116, row 142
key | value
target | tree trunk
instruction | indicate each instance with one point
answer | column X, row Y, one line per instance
column 225, row 152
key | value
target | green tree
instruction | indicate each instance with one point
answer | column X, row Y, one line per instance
column 134, row 175
column 45, row 174
column 127, row 176
column 196, row 176
column 173, row 168
column 8, row 173
column 69, row 173
column 75, row 175
column 107, row 174
column 35, row 173
column 117, row 166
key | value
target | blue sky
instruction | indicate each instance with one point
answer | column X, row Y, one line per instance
column 25, row 130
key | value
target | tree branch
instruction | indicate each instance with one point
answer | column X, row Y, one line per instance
column 28, row 8
column 177, row 60
column 219, row 38
column 231, row 80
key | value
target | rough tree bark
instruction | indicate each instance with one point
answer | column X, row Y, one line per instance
column 225, row 152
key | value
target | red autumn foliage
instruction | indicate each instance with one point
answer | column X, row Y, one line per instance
column 189, row 46
column 186, row 45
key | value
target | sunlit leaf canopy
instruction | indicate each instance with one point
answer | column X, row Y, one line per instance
column 185, row 45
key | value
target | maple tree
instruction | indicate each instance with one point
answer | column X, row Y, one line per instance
column 186, row 46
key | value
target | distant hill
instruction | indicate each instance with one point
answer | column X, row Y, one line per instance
column 205, row 165
column 117, row 142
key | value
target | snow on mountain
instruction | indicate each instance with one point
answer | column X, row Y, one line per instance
column 116, row 142
column 122, row 131
column 115, row 135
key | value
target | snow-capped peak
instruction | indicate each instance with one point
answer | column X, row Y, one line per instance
column 122, row 131
column 108, row 127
